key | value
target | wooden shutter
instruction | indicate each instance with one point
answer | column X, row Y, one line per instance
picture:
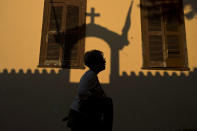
column 62, row 43
column 163, row 34
column 52, row 40
column 152, row 34
column 74, row 33
column 175, row 34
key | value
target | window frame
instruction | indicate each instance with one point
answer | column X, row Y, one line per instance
column 151, row 65
column 45, row 29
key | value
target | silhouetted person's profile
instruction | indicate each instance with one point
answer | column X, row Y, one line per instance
column 92, row 110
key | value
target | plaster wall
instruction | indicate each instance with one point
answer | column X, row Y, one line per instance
column 37, row 98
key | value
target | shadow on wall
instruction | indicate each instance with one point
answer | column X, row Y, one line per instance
column 115, row 41
column 189, row 5
column 39, row 100
column 192, row 4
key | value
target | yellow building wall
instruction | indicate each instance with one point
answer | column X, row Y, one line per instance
column 20, row 35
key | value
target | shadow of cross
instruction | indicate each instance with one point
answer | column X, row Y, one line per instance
column 115, row 40
column 92, row 15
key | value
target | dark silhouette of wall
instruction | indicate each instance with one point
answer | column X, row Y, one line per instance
column 39, row 100
column 155, row 102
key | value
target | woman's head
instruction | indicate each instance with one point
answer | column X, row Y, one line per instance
column 94, row 60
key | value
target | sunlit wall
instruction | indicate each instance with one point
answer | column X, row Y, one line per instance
column 20, row 35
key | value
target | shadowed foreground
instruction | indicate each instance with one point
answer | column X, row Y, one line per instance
column 38, row 101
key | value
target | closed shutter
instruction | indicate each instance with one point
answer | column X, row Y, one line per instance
column 54, row 39
column 163, row 34
column 152, row 33
column 62, row 43
column 74, row 33
column 174, row 34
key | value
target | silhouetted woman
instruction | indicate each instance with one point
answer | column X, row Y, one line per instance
column 91, row 110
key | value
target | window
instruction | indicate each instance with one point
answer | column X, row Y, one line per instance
column 63, row 34
column 163, row 35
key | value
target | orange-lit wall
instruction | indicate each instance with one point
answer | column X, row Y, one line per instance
column 20, row 34
column 37, row 101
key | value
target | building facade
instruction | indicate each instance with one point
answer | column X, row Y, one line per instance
column 150, row 49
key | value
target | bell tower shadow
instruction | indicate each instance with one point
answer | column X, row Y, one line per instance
column 115, row 41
